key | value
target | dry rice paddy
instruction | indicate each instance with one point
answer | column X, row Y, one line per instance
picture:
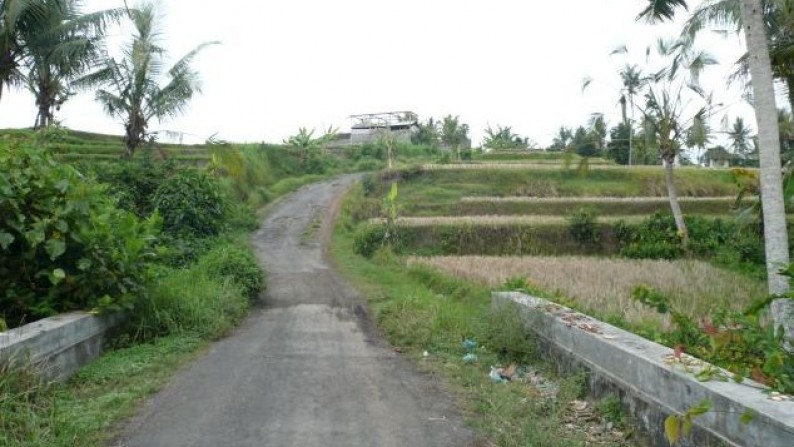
column 603, row 286
column 618, row 200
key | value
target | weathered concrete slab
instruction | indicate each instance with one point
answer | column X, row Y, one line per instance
column 650, row 388
column 59, row 345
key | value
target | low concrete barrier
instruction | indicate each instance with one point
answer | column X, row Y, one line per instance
column 650, row 386
column 59, row 345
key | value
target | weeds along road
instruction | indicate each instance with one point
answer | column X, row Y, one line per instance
column 307, row 368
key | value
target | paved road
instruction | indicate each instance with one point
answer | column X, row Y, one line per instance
column 307, row 368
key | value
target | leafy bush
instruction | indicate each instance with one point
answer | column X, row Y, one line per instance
column 583, row 227
column 657, row 237
column 191, row 204
column 368, row 239
column 368, row 165
column 64, row 244
column 736, row 341
column 134, row 182
column 369, row 184
column 237, row 263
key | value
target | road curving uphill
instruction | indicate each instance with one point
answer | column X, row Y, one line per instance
column 307, row 369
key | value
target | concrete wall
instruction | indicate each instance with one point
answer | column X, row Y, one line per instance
column 650, row 388
column 57, row 346
column 362, row 136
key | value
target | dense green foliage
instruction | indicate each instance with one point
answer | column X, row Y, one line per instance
column 583, row 227
column 736, row 341
column 237, row 263
column 191, row 203
column 65, row 244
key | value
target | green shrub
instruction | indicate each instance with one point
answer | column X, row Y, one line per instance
column 583, row 227
column 736, row 341
column 368, row 239
column 135, row 182
column 369, row 185
column 191, row 204
column 237, row 263
column 657, row 237
column 368, row 165
column 63, row 243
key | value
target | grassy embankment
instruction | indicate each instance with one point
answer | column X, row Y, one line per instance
column 421, row 310
column 191, row 300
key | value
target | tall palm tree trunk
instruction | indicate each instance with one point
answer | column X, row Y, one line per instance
column 775, row 232
column 675, row 207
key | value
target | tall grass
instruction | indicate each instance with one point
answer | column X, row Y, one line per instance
column 36, row 413
column 602, row 287
column 24, row 404
column 190, row 301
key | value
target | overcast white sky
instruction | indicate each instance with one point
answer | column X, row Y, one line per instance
column 291, row 63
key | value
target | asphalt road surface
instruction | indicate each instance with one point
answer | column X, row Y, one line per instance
column 307, row 368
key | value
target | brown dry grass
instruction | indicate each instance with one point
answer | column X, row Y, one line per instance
column 544, row 166
column 602, row 287
column 585, row 199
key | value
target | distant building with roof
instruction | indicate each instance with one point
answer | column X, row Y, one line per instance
column 369, row 127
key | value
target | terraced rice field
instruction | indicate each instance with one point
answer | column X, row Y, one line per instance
column 602, row 287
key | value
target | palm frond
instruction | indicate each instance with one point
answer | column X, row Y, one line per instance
column 661, row 10
column 714, row 13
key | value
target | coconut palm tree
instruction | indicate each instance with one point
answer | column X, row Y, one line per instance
column 632, row 83
column 598, row 131
column 63, row 44
column 132, row 88
column 663, row 125
column 778, row 18
column 16, row 18
column 741, row 138
column 775, row 231
column 503, row 138
column 699, row 133
column 562, row 139
column 454, row 133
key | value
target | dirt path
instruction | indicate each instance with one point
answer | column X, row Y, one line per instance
column 306, row 369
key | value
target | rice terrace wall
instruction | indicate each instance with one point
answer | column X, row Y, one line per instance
column 650, row 382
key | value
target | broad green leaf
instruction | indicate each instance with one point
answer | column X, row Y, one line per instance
column 6, row 239
column 700, row 409
column 84, row 264
column 686, row 426
column 672, row 429
column 57, row 276
column 55, row 248
column 747, row 417
column 62, row 226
